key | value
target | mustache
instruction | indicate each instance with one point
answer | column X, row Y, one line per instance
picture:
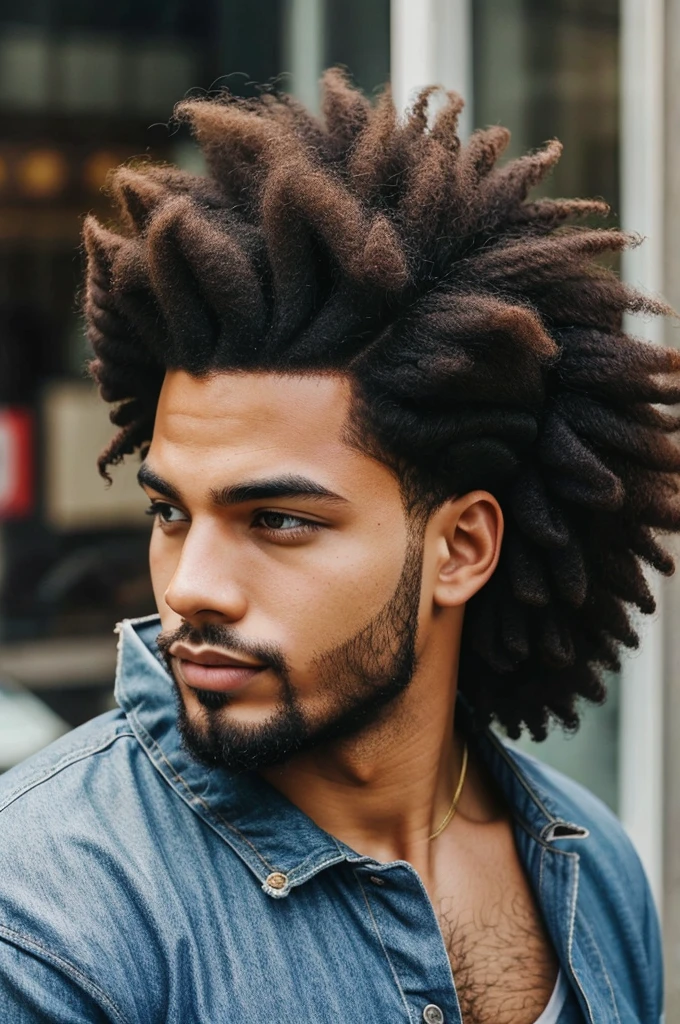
column 225, row 637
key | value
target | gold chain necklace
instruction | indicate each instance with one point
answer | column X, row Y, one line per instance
column 456, row 796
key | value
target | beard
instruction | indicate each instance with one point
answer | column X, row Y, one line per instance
column 360, row 679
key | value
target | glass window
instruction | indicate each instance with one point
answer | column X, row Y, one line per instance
column 358, row 36
column 84, row 87
column 546, row 70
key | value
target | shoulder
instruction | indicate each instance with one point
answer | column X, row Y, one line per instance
column 69, row 792
column 95, row 737
column 559, row 790
column 77, row 833
column 62, row 808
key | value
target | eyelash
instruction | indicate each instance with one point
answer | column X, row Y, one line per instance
column 157, row 508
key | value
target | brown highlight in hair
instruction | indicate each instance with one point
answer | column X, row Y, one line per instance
column 484, row 339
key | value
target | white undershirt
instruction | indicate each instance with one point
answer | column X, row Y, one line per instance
column 557, row 1000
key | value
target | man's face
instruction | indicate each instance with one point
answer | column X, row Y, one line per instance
column 285, row 569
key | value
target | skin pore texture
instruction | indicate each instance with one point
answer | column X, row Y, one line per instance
column 345, row 619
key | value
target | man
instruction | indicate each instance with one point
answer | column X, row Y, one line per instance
column 404, row 467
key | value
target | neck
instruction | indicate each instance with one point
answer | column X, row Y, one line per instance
column 385, row 791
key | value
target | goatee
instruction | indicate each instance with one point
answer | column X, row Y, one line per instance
column 360, row 678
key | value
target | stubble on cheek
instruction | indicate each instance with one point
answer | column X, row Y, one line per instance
column 334, row 691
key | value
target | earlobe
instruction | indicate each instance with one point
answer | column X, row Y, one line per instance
column 470, row 533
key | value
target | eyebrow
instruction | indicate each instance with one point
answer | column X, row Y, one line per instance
column 286, row 486
column 147, row 478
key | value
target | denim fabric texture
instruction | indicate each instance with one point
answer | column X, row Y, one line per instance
column 139, row 887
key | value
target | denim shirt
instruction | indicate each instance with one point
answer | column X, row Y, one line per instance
column 139, row 887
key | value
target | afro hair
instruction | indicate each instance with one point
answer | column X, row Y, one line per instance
column 481, row 330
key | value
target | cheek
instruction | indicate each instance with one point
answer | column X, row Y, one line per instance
column 324, row 607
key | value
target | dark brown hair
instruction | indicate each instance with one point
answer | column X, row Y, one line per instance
column 484, row 340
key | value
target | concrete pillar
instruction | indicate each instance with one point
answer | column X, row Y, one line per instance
column 431, row 44
column 304, row 48
column 671, row 879
column 641, row 737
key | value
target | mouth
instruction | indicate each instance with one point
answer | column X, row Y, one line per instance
column 208, row 669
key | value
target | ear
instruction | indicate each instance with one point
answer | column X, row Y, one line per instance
column 468, row 532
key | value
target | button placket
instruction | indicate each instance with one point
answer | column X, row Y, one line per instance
column 402, row 898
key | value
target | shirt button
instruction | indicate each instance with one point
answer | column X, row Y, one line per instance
column 432, row 1014
column 277, row 880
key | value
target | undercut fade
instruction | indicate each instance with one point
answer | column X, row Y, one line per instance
column 483, row 337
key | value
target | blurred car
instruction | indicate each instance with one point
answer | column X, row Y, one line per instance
column 26, row 724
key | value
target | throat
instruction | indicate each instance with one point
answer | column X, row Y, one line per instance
column 388, row 812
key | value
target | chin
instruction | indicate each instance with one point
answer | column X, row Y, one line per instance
column 216, row 735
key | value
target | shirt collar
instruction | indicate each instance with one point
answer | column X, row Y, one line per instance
column 521, row 779
column 279, row 843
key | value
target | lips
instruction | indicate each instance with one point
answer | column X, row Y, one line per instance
column 210, row 656
column 209, row 669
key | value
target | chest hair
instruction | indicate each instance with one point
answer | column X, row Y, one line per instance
column 503, row 964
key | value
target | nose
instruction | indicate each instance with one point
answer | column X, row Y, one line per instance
column 203, row 587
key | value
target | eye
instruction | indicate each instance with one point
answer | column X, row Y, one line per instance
column 166, row 514
column 284, row 523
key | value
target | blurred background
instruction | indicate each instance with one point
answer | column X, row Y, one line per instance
column 84, row 86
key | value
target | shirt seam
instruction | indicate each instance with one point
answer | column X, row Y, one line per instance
column 79, row 754
column 572, row 916
column 382, row 945
column 540, row 871
column 538, row 797
column 604, row 970
column 570, row 941
column 31, row 946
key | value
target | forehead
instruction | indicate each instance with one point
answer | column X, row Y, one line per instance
column 243, row 424
column 240, row 405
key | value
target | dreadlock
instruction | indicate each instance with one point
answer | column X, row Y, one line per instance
column 483, row 337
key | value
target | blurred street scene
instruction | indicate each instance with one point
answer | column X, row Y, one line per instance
column 85, row 86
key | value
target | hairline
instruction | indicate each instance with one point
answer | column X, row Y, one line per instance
column 418, row 506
